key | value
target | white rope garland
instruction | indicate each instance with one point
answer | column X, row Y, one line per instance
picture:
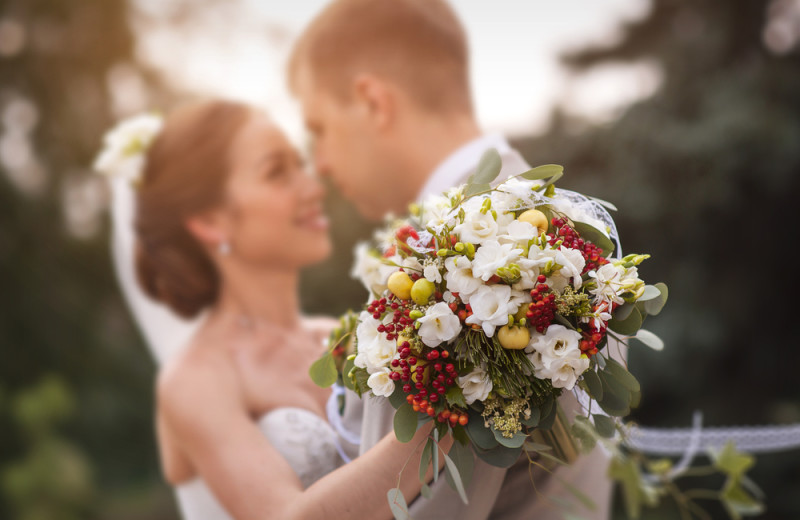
column 679, row 441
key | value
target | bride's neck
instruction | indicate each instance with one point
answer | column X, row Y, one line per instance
column 269, row 296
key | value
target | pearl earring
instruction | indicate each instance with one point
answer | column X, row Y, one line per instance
column 224, row 248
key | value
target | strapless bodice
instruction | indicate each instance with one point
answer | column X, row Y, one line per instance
column 306, row 441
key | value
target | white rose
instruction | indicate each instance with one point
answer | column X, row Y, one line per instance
column 491, row 256
column 438, row 325
column 374, row 350
column 491, row 305
column 459, row 277
column 518, row 233
column 477, row 227
column 370, row 270
column 380, row 383
column 557, row 356
column 476, row 385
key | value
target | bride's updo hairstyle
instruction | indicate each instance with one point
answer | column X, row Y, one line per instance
column 185, row 172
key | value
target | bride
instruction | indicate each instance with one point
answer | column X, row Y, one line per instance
column 226, row 217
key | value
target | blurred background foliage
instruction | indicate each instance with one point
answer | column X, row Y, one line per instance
column 704, row 172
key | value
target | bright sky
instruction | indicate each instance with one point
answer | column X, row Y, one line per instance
column 515, row 45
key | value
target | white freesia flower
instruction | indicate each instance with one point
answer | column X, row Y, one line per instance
column 529, row 272
column 125, row 146
column 436, row 213
column 477, row 227
column 609, row 280
column 380, row 383
column 557, row 356
column 431, row 271
column 459, row 277
column 476, row 385
column 570, row 262
column 491, row 305
column 370, row 270
column 374, row 350
column 438, row 325
column 412, row 263
column 491, row 256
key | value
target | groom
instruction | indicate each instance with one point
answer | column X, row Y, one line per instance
column 384, row 87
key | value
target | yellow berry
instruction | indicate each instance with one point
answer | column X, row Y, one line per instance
column 400, row 284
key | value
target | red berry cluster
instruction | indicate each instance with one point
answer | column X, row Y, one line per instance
column 570, row 238
column 588, row 344
column 542, row 311
column 433, row 365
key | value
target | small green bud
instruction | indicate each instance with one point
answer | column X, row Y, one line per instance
column 459, row 247
column 415, row 314
column 442, row 252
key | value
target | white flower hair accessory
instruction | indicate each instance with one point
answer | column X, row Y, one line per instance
column 125, row 147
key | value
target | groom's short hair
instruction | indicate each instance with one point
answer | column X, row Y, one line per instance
column 419, row 45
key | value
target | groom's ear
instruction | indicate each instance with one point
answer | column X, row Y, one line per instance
column 377, row 99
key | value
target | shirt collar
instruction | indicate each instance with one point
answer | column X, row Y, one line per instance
column 454, row 168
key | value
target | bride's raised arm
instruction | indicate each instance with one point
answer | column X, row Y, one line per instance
column 200, row 406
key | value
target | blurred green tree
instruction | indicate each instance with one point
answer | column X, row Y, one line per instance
column 705, row 176
column 61, row 311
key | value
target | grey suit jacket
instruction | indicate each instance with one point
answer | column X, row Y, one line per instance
column 515, row 493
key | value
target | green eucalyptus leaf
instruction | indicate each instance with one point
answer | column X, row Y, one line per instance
column 480, row 435
column 398, row 505
column 425, row 460
column 398, row 397
column 594, row 384
column 650, row 292
column 542, row 172
column 323, row 371
column 533, row 420
column 426, row 492
column 622, row 375
column 654, row 306
column 604, row 425
column 488, row 168
column 405, row 423
column 650, row 339
column 464, row 459
column 616, row 398
column 622, row 312
column 473, row 189
column 451, row 472
column 499, row 456
column 349, row 364
column 514, row 442
column 595, row 236
column 629, row 326
column 584, row 433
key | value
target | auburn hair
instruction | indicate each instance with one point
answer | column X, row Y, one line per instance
column 185, row 173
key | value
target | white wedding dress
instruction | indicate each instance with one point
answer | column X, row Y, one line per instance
column 305, row 440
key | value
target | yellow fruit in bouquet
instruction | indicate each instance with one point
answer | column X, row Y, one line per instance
column 400, row 284
column 535, row 218
column 513, row 337
column 421, row 291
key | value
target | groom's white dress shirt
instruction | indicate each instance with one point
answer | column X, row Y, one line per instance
column 496, row 493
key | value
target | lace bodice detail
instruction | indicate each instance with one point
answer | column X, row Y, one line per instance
column 306, row 441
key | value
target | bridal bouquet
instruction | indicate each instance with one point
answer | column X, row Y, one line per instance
column 489, row 303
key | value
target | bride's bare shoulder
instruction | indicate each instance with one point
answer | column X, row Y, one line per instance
column 197, row 377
